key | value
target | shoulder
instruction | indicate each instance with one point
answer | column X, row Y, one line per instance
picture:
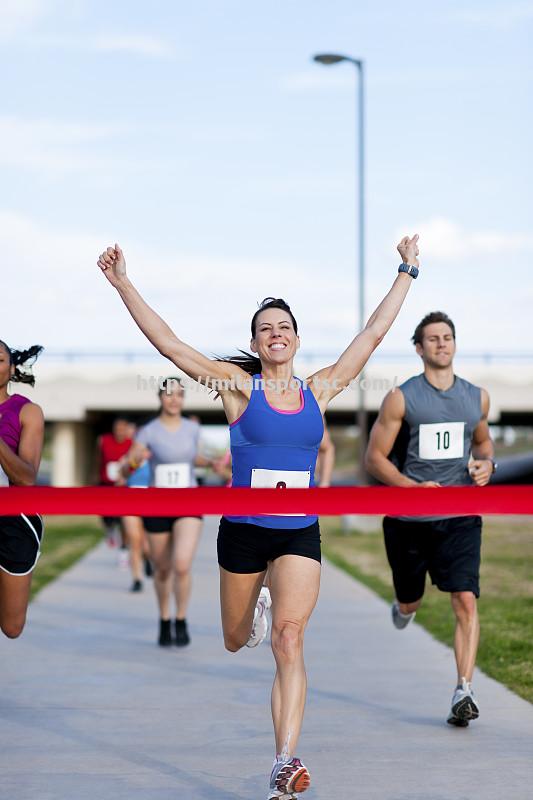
column 393, row 405
column 146, row 430
column 30, row 412
column 472, row 388
column 191, row 427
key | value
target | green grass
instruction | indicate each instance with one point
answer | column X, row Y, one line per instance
column 64, row 543
column 505, row 605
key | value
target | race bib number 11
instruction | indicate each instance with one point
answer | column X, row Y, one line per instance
column 441, row 440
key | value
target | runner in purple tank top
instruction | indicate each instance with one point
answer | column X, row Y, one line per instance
column 21, row 443
column 276, row 423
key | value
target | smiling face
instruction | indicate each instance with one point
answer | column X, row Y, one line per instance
column 275, row 340
column 7, row 370
column 437, row 348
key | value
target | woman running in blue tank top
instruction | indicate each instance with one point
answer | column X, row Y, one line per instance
column 276, row 425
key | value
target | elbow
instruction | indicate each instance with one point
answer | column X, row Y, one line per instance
column 378, row 331
column 370, row 463
column 29, row 478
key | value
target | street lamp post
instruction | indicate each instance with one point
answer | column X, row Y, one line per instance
column 328, row 59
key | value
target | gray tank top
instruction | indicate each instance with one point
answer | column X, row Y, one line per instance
column 176, row 449
column 439, row 427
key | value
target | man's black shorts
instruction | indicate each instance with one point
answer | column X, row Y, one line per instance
column 449, row 549
column 246, row 548
column 163, row 524
column 20, row 543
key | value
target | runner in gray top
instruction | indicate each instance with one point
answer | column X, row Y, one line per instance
column 170, row 442
column 433, row 431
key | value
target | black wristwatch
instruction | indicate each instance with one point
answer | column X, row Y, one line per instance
column 410, row 269
column 494, row 464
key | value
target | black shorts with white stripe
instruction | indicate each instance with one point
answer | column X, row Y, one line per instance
column 20, row 543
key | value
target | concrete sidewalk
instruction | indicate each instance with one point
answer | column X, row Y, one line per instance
column 92, row 709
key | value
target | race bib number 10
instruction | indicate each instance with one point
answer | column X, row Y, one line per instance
column 172, row 476
column 441, row 440
column 281, row 479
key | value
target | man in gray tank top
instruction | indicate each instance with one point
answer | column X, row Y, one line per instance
column 433, row 431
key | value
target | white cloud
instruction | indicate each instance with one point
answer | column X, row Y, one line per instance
column 319, row 78
column 68, row 304
column 58, row 297
column 19, row 16
column 138, row 44
column 444, row 239
column 48, row 144
column 499, row 16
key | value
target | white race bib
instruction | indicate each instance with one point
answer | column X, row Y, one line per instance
column 172, row 476
column 281, row 479
column 441, row 440
column 112, row 470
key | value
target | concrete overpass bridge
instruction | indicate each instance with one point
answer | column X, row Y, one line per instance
column 81, row 392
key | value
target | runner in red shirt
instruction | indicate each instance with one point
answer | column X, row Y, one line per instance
column 111, row 449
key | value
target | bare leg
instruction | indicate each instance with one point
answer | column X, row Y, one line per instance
column 134, row 532
column 238, row 597
column 161, row 550
column 186, row 532
column 14, row 599
column 466, row 640
column 294, row 585
column 408, row 608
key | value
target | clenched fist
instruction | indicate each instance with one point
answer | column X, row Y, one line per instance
column 408, row 249
column 113, row 265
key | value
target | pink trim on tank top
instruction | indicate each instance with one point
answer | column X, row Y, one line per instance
column 278, row 410
column 282, row 410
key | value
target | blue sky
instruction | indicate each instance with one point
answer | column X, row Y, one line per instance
column 203, row 139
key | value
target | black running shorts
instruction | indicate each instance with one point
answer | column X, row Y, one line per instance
column 163, row 524
column 246, row 548
column 449, row 549
column 20, row 543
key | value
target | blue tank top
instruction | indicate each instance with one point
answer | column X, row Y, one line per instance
column 271, row 448
column 142, row 477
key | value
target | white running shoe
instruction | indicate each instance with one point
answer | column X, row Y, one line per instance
column 123, row 560
column 288, row 779
column 464, row 706
column 260, row 626
column 400, row 620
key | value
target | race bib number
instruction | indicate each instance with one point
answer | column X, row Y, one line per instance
column 441, row 440
column 112, row 471
column 281, row 479
column 173, row 476
column 4, row 480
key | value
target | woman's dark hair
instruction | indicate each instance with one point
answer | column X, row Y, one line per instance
column 167, row 385
column 429, row 319
column 23, row 360
column 247, row 361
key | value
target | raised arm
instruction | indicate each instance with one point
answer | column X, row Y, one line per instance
column 330, row 381
column 156, row 330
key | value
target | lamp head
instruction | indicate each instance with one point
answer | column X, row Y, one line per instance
column 329, row 58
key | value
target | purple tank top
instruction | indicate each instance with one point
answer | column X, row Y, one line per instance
column 10, row 426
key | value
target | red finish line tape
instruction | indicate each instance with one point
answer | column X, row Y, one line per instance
column 381, row 500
